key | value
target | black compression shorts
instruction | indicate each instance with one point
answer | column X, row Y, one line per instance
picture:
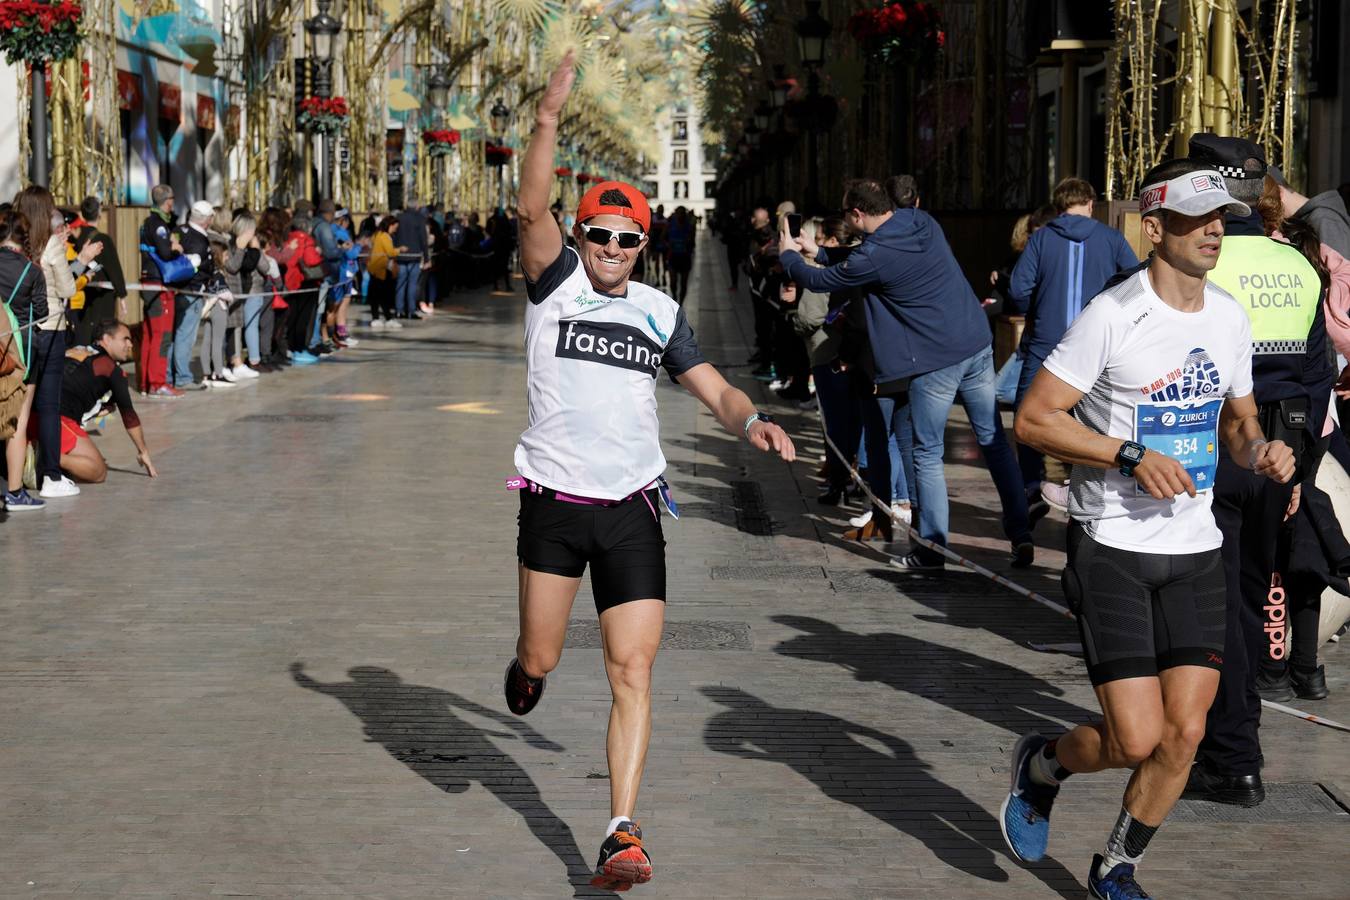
column 1140, row 613
column 623, row 544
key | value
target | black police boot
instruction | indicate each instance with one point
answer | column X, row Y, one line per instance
column 1274, row 685
column 1310, row 685
column 1235, row 790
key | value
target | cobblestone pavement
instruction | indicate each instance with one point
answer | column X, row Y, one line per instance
column 275, row 671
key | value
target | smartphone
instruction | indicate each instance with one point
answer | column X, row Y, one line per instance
column 795, row 224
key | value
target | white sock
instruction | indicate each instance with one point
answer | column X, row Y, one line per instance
column 614, row 824
column 1043, row 770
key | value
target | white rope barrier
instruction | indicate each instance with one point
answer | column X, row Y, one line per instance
column 998, row 579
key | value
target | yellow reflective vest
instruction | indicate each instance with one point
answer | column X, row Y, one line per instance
column 1276, row 286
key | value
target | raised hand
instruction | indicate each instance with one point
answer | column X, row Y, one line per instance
column 559, row 87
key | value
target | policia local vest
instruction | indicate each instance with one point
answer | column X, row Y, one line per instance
column 1282, row 295
column 1279, row 290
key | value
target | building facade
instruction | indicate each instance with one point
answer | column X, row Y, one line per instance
column 685, row 175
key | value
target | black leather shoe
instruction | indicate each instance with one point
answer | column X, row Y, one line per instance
column 1235, row 790
column 1312, row 686
column 830, row 496
column 1277, row 688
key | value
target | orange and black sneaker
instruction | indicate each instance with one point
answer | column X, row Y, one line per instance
column 522, row 691
column 623, row 860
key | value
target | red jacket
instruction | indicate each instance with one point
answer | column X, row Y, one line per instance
column 299, row 251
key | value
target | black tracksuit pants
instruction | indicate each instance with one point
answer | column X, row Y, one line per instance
column 1249, row 510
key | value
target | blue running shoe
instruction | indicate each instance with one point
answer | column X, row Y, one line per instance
column 303, row 358
column 1025, row 817
column 1119, row 883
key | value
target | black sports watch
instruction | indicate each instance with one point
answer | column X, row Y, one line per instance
column 1129, row 456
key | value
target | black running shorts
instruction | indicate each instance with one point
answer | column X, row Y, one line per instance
column 623, row 544
column 1140, row 613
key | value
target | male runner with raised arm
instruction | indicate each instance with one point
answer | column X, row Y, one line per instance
column 590, row 459
column 1145, row 384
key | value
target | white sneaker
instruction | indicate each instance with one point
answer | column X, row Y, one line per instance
column 393, row 323
column 861, row 520
column 377, row 324
column 1057, row 495
column 777, row 384
column 351, row 341
column 902, row 512
column 216, row 382
column 227, row 375
column 60, row 487
column 242, row 372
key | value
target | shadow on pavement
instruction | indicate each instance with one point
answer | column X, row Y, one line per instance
column 419, row 726
column 1002, row 695
column 874, row 771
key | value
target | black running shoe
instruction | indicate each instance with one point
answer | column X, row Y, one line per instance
column 522, row 691
column 623, row 862
column 1277, row 687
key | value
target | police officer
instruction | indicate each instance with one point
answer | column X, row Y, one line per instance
column 1282, row 295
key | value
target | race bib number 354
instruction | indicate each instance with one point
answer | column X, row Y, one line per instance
column 1188, row 434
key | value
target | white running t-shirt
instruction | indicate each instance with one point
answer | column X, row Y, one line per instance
column 1156, row 376
column 591, row 366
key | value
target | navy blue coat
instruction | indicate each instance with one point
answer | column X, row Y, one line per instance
column 921, row 312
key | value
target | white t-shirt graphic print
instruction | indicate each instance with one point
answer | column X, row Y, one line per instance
column 1149, row 371
column 591, row 366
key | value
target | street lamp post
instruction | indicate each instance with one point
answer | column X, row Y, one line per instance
column 813, row 34
column 438, row 90
column 501, row 118
column 323, row 30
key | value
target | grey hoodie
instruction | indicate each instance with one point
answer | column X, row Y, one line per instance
column 1327, row 215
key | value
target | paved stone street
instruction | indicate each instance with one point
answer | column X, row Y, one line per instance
column 276, row 670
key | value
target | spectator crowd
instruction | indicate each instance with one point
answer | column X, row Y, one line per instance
column 226, row 298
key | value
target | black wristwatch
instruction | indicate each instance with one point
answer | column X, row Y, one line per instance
column 1129, row 456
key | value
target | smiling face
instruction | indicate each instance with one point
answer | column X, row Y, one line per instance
column 608, row 265
column 1190, row 244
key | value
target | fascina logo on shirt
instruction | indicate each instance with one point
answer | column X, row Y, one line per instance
column 610, row 344
column 1197, row 379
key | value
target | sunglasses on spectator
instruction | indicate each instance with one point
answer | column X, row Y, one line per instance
column 597, row 235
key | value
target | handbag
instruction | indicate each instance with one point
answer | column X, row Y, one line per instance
column 14, row 356
column 171, row 271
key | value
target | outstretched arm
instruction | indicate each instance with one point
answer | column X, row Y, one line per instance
column 540, row 240
column 733, row 409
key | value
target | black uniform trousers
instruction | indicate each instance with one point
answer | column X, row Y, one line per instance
column 1249, row 510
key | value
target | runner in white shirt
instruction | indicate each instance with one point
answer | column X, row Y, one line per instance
column 590, row 460
column 1144, row 386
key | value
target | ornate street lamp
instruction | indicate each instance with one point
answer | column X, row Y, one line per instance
column 438, row 88
column 762, row 114
column 813, row 34
column 501, row 117
column 779, row 87
column 323, row 30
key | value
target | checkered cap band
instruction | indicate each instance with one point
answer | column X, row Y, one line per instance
column 1237, row 172
column 1275, row 348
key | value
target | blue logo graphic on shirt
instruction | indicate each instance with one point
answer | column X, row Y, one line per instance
column 656, row 329
column 1197, row 379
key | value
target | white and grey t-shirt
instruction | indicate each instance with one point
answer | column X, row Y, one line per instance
column 592, row 362
column 1157, row 376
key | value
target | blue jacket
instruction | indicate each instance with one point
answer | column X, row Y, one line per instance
column 921, row 313
column 1065, row 265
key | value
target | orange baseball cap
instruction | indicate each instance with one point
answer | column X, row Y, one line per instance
column 637, row 209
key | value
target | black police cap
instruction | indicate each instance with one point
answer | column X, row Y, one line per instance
column 1228, row 155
